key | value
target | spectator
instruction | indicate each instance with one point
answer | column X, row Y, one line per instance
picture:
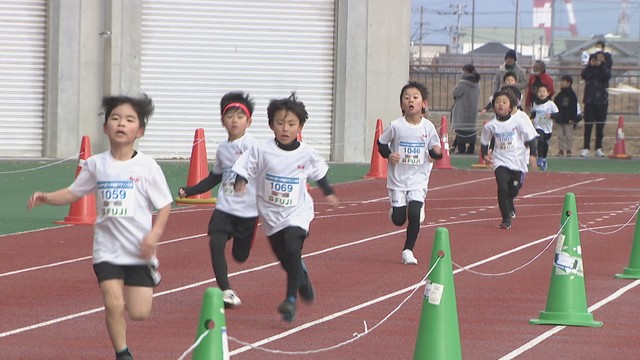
column 596, row 102
column 510, row 65
column 464, row 112
column 538, row 77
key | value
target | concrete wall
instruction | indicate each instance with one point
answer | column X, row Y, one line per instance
column 372, row 65
column 95, row 46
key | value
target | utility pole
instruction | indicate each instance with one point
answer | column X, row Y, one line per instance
column 421, row 36
column 458, row 12
column 473, row 28
column 553, row 26
column 515, row 36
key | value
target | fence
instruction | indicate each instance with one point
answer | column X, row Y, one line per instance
column 441, row 79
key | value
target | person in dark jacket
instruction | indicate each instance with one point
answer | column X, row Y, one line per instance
column 567, row 103
column 464, row 113
column 596, row 102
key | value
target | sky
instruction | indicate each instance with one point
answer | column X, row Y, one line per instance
column 593, row 17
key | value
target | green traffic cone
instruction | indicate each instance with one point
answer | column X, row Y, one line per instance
column 438, row 332
column 214, row 345
column 633, row 270
column 567, row 299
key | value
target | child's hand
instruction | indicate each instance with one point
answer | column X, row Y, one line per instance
column 333, row 200
column 181, row 192
column 148, row 245
column 38, row 198
column 239, row 186
column 533, row 163
column 394, row 158
column 488, row 159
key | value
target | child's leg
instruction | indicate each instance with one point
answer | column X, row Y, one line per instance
column 220, row 230
column 138, row 301
column 287, row 246
column 243, row 236
column 114, row 303
column 398, row 207
column 413, row 228
column 503, row 177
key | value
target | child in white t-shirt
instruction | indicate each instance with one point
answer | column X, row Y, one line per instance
column 543, row 112
column 280, row 168
column 235, row 215
column 129, row 185
column 514, row 138
column 410, row 143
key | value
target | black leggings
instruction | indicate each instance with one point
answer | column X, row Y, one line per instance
column 400, row 215
column 509, row 184
column 287, row 246
column 543, row 143
column 222, row 227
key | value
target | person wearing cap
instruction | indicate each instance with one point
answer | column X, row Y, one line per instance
column 510, row 64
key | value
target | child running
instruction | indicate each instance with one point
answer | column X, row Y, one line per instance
column 543, row 112
column 410, row 143
column 235, row 215
column 280, row 168
column 128, row 185
column 512, row 135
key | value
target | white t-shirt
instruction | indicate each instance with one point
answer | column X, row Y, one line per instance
column 243, row 205
column 510, row 138
column 543, row 120
column 281, row 180
column 127, row 192
column 413, row 142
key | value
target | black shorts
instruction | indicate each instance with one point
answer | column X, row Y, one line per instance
column 133, row 275
column 241, row 228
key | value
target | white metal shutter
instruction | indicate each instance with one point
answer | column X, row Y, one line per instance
column 195, row 51
column 22, row 75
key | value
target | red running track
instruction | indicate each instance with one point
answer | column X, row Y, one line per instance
column 50, row 305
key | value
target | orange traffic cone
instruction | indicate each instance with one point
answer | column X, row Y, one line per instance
column 82, row 211
column 618, row 149
column 445, row 162
column 378, row 168
column 481, row 164
column 198, row 170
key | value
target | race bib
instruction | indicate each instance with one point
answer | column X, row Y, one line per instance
column 117, row 198
column 505, row 141
column 281, row 190
column 411, row 153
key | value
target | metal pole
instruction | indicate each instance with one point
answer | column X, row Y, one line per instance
column 473, row 28
column 515, row 36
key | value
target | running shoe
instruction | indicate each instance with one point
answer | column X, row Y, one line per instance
column 306, row 291
column 505, row 224
column 408, row 258
column 599, row 153
column 288, row 310
column 543, row 167
column 230, row 299
column 585, row 153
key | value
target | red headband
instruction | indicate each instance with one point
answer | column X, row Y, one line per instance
column 237, row 104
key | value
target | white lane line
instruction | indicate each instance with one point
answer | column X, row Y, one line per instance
column 557, row 329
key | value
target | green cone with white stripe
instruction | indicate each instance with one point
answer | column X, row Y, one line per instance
column 438, row 332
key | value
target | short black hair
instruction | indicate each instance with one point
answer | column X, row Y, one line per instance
column 236, row 97
column 415, row 85
column 513, row 102
column 567, row 78
column 142, row 105
column 289, row 104
column 509, row 74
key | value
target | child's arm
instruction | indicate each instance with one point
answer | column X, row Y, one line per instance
column 59, row 197
column 204, row 185
column 150, row 241
column 328, row 191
